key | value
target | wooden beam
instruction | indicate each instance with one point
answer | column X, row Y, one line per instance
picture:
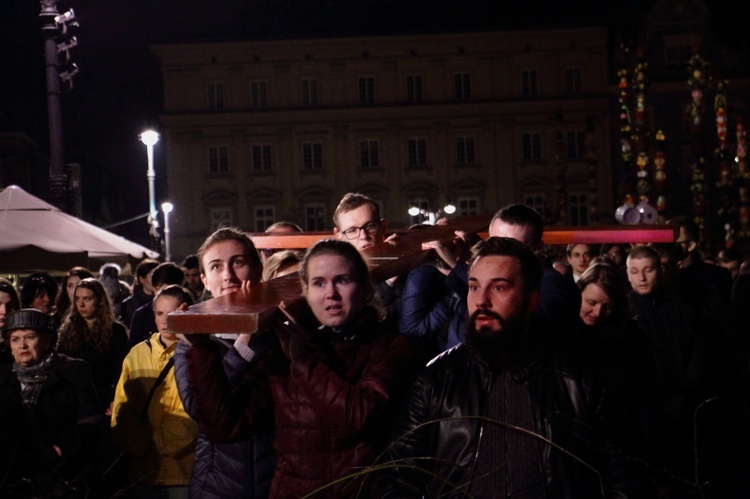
column 247, row 312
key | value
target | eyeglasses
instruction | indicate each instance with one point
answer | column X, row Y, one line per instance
column 371, row 228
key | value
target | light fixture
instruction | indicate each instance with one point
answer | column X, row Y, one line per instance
column 167, row 208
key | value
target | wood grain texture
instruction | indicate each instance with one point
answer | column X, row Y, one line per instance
column 245, row 312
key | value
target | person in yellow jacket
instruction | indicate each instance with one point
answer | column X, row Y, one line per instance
column 149, row 423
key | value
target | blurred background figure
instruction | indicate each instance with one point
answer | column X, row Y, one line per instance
column 281, row 227
column 193, row 282
column 143, row 291
column 730, row 259
column 65, row 295
column 280, row 264
column 9, row 301
column 579, row 258
column 39, row 292
column 117, row 290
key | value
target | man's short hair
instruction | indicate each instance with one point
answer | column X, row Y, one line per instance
column 646, row 252
column 518, row 214
column 145, row 267
column 728, row 255
column 191, row 262
column 688, row 225
column 531, row 267
column 352, row 201
column 167, row 273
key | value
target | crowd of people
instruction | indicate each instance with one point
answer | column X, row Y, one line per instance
column 500, row 368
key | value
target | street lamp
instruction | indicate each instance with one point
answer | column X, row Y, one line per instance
column 167, row 209
column 149, row 138
column 432, row 216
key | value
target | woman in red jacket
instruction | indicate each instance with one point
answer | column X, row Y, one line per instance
column 329, row 385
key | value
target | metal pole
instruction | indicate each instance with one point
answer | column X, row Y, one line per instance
column 167, row 241
column 151, row 175
column 58, row 178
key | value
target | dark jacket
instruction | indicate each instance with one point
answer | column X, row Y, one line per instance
column 443, row 423
column 234, row 469
column 66, row 415
column 133, row 303
column 433, row 307
column 331, row 406
column 143, row 324
column 105, row 366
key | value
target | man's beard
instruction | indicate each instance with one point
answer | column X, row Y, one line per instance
column 497, row 345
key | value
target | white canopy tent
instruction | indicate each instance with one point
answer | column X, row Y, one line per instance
column 35, row 235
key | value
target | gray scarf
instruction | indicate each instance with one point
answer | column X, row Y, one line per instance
column 32, row 378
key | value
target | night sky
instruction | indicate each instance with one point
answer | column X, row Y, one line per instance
column 118, row 92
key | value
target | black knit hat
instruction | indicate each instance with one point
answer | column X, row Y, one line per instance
column 30, row 318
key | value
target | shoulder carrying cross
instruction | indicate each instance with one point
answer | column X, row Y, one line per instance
column 247, row 312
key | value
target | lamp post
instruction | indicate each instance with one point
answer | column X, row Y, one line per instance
column 167, row 208
column 149, row 138
column 432, row 216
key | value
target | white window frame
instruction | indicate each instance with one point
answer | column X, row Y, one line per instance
column 261, row 157
column 529, row 82
column 312, row 156
column 218, row 159
column 416, row 151
column 531, row 146
column 369, row 154
column 258, row 94
column 315, row 216
column 366, row 86
column 466, row 150
column 462, row 84
column 264, row 216
column 309, row 91
column 414, row 88
column 215, row 94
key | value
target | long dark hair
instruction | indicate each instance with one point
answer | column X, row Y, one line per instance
column 62, row 302
column 75, row 331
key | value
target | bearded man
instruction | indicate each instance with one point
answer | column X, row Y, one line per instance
column 503, row 414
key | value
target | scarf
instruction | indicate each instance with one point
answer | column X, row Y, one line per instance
column 32, row 378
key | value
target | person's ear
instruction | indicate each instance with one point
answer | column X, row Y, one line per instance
column 183, row 307
column 203, row 279
column 691, row 246
column 337, row 232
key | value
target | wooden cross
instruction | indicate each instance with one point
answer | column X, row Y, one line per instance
column 247, row 312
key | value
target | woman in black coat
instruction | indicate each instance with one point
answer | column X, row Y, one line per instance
column 49, row 418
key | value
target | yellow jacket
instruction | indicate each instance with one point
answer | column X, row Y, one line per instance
column 161, row 448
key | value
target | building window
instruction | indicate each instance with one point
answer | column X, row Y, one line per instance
column 532, row 146
column 573, row 81
column 536, row 201
column 315, row 216
column 218, row 159
column 468, row 205
column 416, row 152
column 309, row 92
column 529, row 83
column 367, row 90
column 258, row 97
column 261, row 158
column 578, row 209
column 265, row 216
column 369, row 154
column 215, row 95
column 414, row 88
column 576, row 144
column 312, row 156
column 220, row 217
column 465, row 150
column 463, row 86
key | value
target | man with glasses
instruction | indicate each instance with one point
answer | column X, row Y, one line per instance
column 357, row 221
